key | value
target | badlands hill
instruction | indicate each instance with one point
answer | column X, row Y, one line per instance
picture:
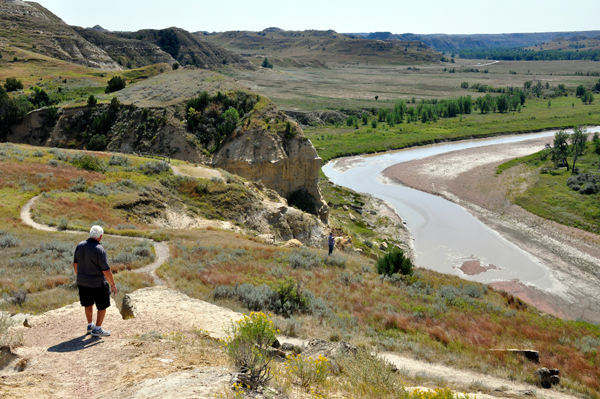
column 322, row 46
column 29, row 26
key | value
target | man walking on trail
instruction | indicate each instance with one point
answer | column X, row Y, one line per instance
column 331, row 242
column 93, row 278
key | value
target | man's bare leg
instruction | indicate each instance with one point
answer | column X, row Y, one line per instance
column 100, row 317
column 89, row 313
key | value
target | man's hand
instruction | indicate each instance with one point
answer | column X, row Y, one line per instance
column 113, row 289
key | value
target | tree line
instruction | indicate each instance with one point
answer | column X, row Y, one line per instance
column 522, row 54
column 432, row 110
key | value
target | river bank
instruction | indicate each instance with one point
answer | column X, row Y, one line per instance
column 468, row 178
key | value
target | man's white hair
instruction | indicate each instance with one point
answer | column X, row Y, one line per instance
column 96, row 232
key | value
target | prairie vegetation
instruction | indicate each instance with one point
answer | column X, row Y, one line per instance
column 432, row 316
column 40, row 263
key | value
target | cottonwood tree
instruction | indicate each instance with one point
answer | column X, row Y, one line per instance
column 560, row 148
column 578, row 140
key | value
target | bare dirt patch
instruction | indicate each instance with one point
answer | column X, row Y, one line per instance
column 468, row 178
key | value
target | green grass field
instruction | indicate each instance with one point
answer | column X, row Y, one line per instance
column 333, row 142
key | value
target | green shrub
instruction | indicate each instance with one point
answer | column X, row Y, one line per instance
column 89, row 162
column 291, row 297
column 267, row 64
column 8, row 240
column 304, row 258
column 336, row 260
column 97, row 143
column 63, row 224
column 394, row 262
column 116, row 83
column 308, row 372
column 154, row 167
column 12, row 84
column 247, row 345
column 175, row 66
column 118, row 160
column 92, row 101
column 39, row 98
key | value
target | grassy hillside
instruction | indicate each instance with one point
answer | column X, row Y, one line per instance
column 324, row 46
column 430, row 315
column 67, row 83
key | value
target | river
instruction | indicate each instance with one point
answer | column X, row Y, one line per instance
column 445, row 234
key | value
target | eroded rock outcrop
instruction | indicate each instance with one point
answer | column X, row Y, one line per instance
column 283, row 160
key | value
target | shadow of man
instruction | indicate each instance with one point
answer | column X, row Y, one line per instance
column 75, row 344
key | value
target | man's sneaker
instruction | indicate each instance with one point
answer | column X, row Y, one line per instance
column 90, row 328
column 100, row 332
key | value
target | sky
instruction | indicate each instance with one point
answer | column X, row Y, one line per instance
column 349, row 16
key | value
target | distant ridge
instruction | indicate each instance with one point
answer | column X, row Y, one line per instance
column 445, row 42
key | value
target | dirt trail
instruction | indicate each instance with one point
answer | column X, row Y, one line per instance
column 161, row 249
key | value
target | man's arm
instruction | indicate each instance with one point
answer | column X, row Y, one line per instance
column 109, row 277
column 75, row 268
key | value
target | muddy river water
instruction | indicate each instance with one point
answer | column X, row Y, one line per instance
column 445, row 234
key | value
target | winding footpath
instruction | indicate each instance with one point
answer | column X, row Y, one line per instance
column 161, row 249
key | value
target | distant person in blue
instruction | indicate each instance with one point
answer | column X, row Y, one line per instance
column 331, row 242
column 94, row 280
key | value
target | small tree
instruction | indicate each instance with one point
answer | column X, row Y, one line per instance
column 92, row 101
column 12, row 84
column 560, row 148
column 175, row 66
column 578, row 140
column 39, row 97
column 365, row 118
column 115, row 84
column 464, row 85
column 580, row 90
column 376, row 98
column 267, row 64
